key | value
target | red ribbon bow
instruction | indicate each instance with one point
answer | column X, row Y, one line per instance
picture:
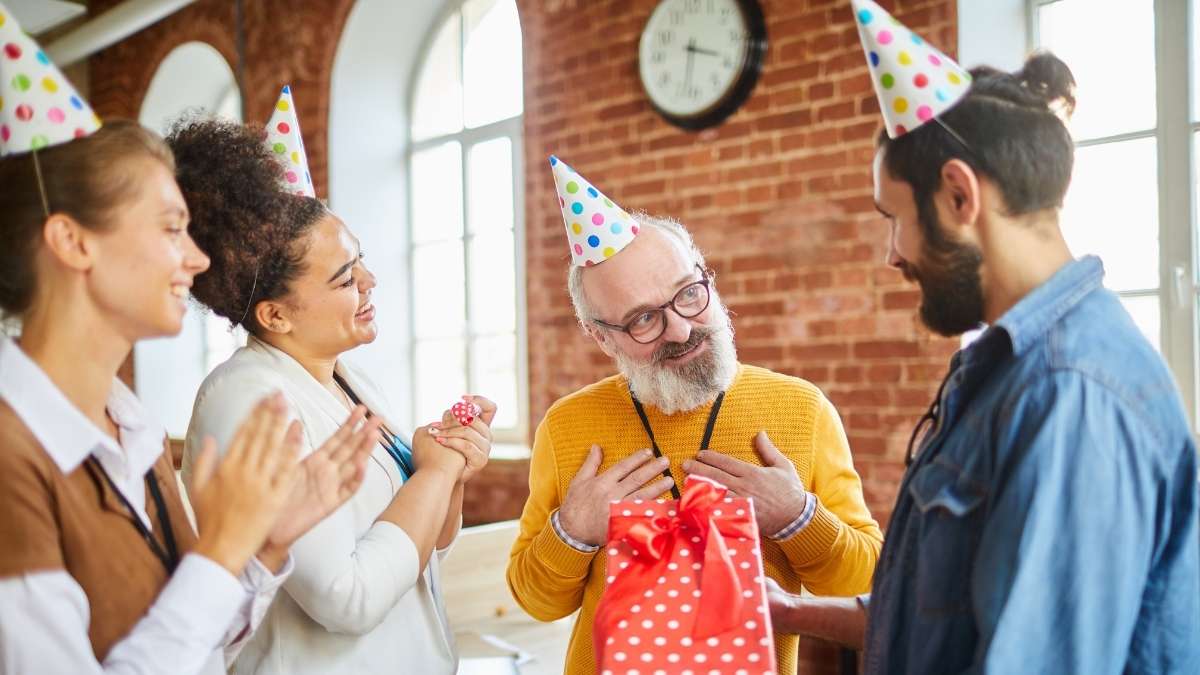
column 655, row 539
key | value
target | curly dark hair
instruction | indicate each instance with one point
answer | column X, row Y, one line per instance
column 255, row 231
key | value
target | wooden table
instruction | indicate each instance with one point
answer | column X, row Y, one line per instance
column 479, row 604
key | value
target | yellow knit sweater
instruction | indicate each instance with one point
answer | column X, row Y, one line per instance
column 834, row 555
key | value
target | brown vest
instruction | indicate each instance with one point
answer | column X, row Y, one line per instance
column 77, row 523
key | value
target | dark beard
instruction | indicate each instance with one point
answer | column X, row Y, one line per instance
column 951, row 288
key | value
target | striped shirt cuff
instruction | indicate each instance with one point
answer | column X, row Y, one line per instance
column 801, row 521
column 568, row 539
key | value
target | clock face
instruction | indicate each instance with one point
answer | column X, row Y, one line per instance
column 693, row 53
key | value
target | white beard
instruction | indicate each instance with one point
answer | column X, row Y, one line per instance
column 687, row 387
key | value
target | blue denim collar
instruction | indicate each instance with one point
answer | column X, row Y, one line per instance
column 1029, row 320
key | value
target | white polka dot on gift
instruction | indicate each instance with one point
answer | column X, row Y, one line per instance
column 634, row 640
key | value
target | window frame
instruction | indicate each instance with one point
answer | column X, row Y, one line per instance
column 1175, row 133
column 513, row 441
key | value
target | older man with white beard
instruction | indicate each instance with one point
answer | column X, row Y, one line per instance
column 682, row 404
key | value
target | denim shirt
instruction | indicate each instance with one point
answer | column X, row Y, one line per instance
column 1049, row 523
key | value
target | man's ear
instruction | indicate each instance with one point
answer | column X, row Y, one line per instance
column 600, row 335
column 961, row 193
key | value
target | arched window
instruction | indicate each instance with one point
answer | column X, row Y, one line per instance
column 193, row 78
column 466, row 260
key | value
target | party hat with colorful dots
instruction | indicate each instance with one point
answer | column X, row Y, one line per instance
column 283, row 136
column 38, row 106
column 596, row 227
column 914, row 81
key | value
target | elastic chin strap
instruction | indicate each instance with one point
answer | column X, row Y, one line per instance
column 37, row 169
column 953, row 133
column 250, row 300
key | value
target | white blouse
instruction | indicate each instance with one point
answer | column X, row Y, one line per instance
column 194, row 624
column 356, row 602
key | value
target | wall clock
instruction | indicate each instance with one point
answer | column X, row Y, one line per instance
column 699, row 59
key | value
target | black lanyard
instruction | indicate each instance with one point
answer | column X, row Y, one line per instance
column 169, row 557
column 708, row 432
column 387, row 439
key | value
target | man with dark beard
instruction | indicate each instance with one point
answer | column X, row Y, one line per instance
column 1048, row 519
column 649, row 302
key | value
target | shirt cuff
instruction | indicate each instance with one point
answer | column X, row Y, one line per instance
column 864, row 601
column 801, row 521
column 203, row 596
column 568, row 539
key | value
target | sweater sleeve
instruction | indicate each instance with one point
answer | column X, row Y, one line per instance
column 836, row 553
column 545, row 574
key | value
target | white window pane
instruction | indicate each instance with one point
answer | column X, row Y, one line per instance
column 1195, row 61
column 490, row 184
column 220, row 341
column 437, row 193
column 1147, row 315
column 493, row 283
column 438, row 102
column 492, row 61
column 494, row 375
column 440, row 370
column 1109, row 46
column 438, row 290
column 1111, row 210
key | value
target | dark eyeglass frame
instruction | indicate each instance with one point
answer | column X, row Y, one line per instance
column 705, row 281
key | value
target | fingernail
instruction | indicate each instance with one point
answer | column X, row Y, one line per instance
column 441, row 440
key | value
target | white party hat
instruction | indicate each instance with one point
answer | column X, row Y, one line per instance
column 38, row 106
column 283, row 137
column 596, row 227
column 915, row 83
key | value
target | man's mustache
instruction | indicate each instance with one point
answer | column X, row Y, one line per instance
column 672, row 350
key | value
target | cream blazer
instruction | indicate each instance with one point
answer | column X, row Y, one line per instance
column 355, row 602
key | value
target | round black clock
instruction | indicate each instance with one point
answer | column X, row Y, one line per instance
column 699, row 59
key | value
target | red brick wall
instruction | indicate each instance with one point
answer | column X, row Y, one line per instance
column 779, row 196
column 287, row 41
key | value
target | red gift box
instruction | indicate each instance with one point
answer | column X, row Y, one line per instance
column 685, row 589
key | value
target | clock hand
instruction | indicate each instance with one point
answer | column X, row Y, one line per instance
column 692, row 48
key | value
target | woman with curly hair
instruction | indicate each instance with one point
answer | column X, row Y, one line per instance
column 365, row 595
column 100, row 570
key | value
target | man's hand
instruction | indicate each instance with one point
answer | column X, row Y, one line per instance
column 584, row 511
column 778, row 495
column 840, row 620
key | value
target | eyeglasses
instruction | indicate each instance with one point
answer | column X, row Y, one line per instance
column 689, row 302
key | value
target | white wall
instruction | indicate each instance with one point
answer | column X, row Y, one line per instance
column 368, row 135
column 993, row 33
column 168, row 371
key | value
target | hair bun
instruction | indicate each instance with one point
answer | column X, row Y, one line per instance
column 1047, row 77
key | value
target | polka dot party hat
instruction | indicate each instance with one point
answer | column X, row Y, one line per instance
column 283, row 137
column 38, row 106
column 913, row 81
column 596, row 227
